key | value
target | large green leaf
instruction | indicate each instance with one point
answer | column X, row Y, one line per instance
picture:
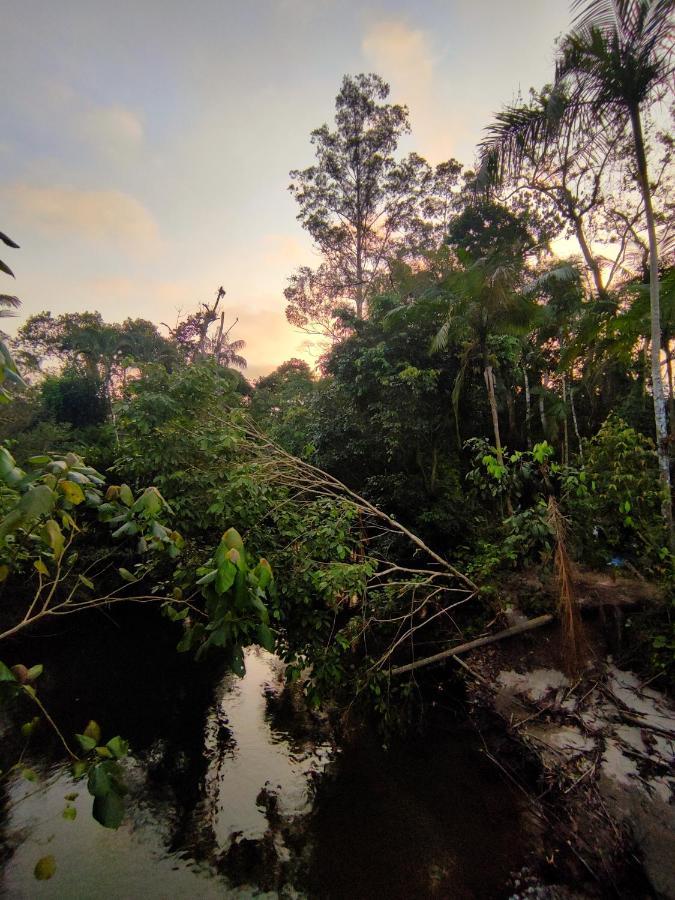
column 34, row 503
column 99, row 784
column 109, row 810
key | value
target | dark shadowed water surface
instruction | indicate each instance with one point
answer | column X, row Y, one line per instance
column 236, row 792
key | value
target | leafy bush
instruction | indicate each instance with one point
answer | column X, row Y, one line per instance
column 614, row 501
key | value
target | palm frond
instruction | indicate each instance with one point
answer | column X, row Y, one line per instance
column 440, row 340
column 564, row 273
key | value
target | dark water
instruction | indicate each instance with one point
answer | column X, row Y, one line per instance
column 234, row 791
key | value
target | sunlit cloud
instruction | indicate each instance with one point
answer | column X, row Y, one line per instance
column 400, row 53
column 113, row 130
column 287, row 250
column 406, row 58
column 94, row 215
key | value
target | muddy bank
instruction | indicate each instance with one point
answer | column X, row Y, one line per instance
column 593, row 753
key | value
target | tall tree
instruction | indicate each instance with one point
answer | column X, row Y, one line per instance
column 357, row 202
column 616, row 61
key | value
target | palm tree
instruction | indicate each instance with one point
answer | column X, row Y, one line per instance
column 610, row 67
column 483, row 302
column 8, row 370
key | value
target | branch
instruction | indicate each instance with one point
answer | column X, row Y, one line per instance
column 472, row 645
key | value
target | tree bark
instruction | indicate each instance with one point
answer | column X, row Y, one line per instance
column 576, row 424
column 490, row 384
column 655, row 310
column 479, row 642
column 542, row 411
column 566, row 436
column 671, row 397
column 528, row 409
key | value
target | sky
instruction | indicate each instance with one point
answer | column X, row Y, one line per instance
column 145, row 145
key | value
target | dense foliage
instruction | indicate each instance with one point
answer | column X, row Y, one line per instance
column 348, row 517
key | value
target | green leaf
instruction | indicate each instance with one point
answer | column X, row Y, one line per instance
column 87, row 743
column 80, row 767
column 103, row 752
column 29, row 727
column 266, row 638
column 98, row 783
column 232, row 539
column 150, row 502
column 86, row 582
column 118, row 747
column 52, row 535
column 237, row 661
column 29, row 774
column 93, row 730
column 209, row 577
column 7, row 240
column 70, row 813
column 225, row 577
column 109, row 810
column 35, row 672
column 71, row 491
column 71, row 797
column 6, row 673
column 263, row 572
column 10, row 473
column 127, row 575
column 41, row 567
column 126, row 495
column 33, row 504
column 45, row 868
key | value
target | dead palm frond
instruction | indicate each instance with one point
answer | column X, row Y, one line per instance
column 574, row 642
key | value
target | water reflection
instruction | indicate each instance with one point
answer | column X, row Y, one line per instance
column 158, row 852
column 223, row 803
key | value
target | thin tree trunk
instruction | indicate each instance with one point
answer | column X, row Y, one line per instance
column 542, row 411
column 511, row 409
column 490, row 384
column 591, row 261
column 671, row 398
column 655, row 309
column 528, row 409
column 566, row 436
column 576, row 424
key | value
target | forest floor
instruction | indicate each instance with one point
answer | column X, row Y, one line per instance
column 593, row 752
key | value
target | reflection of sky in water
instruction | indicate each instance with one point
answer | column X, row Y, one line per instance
column 257, row 755
column 93, row 862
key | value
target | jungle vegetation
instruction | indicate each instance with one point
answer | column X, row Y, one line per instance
column 348, row 516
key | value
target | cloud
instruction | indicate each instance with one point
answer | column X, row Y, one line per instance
column 406, row 58
column 114, row 130
column 287, row 250
column 401, row 54
column 95, row 215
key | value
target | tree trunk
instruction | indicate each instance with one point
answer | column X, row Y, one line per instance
column 542, row 411
column 671, row 397
column 511, row 409
column 576, row 424
column 528, row 409
column 586, row 251
column 359, row 273
column 566, row 436
column 654, row 302
column 490, row 384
